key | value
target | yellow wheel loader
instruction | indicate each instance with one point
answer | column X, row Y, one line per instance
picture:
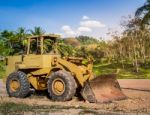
column 41, row 67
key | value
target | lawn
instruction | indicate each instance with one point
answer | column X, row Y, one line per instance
column 126, row 73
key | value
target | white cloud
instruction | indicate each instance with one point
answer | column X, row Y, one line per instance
column 87, row 26
column 84, row 29
column 68, row 31
column 92, row 24
column 85, row 18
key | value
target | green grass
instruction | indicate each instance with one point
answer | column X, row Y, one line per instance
column 12, row 108
column 126, row 73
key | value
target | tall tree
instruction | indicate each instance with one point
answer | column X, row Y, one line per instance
column 21, row 35
column 37, row 31
column 8, row 38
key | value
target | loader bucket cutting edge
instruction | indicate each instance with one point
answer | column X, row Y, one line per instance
column 103, row 89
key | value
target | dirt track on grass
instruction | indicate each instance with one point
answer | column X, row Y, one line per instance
column 138, row 92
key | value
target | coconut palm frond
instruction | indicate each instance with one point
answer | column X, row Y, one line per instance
column 141, row 10
column 37, row 31
column 144, row 13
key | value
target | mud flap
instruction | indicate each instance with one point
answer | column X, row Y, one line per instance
column 102, row 89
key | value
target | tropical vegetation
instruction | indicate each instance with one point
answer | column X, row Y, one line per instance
column 127, row 53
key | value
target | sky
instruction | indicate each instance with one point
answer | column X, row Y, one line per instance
column 68, row 18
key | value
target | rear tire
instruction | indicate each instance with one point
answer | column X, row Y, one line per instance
column 61, row 86
column 21, row 88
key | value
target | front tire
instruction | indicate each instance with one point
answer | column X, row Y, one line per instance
column 17, row 85
column 61, row 86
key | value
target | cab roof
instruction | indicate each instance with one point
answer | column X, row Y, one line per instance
column 47, row 36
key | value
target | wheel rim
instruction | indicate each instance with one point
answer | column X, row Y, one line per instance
column 14, row 85
column 58, row 86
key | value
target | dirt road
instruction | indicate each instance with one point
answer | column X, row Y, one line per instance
column 138, row 92
column 135, row 84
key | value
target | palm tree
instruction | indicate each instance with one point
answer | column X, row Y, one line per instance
column 144, row 12
column 8, row 37
column 22, row 35
column 37, row 31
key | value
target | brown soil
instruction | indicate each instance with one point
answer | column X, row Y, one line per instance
column 138, row 101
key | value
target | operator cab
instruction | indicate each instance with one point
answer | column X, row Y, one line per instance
column 45, row 44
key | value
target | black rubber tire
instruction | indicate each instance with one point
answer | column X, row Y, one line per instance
column 70, row 86
column 24, row 89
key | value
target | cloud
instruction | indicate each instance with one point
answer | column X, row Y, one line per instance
column 68, row 31
column 92, row 24
column 85, row 18
column 84, row 29
column 86, row 26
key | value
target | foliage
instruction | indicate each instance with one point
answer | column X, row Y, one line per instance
column 66, row 50
column 37, row 31
column 86, row 40
column 13, row 42
column 144, row 12
column 133, row 46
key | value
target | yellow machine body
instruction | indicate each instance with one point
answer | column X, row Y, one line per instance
column 39, row 66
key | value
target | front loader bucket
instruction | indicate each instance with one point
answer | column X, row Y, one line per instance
column 102, row 89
